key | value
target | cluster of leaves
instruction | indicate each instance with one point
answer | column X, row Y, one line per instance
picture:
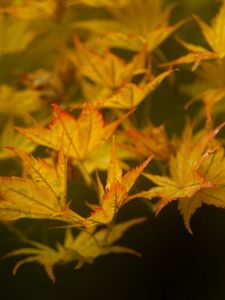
column 72, row 92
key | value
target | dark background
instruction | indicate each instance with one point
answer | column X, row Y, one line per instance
column 174, row 264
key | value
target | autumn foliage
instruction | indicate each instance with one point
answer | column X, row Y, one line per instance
column 73, row 90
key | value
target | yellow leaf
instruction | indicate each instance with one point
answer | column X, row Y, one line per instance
column 10, row 137
column 90, row 245
column 131, row 95
column 40, row 253
column 83, row 248
column 213, row 170
column 137, row 24
column 134, row 42
column 114, row 171
column 79, row 138
column 45, row 174
column 186, row 178
column 150, row 140
column 209, row 86
column 100, row 158
column 99, row 3
column 37, row 9
column 210, row 97
column 24, row 101
column 196, row 55
column 116, row 191
column 42, row 195
column 108, row 70
column 214, row 36
column 14, row 36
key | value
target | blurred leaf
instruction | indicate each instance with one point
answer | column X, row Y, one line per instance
column 139, row 23
column 36, row 9
column 14, row 36
column 12, row 138
column 83, row 248
column 214, row 36
column 22, row 101
column 150, row 140
column 108, row 70
column 113, row 3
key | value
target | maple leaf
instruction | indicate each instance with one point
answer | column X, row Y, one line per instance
column 214, row 36
column 209, row 86
column 186, row 178
column 83, row 248
column 213, row 170
column 78, row 138
column 101, row 242
column 108, row 70
column 196, row 55
column 149, row 140
column 109, row 77
column 131, row 95
column 115, row 194
column 40, row 253
column 140, row 23
column 41, row 196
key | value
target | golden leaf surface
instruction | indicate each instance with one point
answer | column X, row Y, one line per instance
column 77, row 137
column 14, row 36
column 115, row 194
column 213, row 171
column 108, row 70
column 99, row 3
column 36, row 9
column 186, row 177
column 137, row 24
column 130, row 95
column 208, row 87
column 42, row 195
column 11, row 138
column 149, row 140
column 84, row 248
column 22, row 101
column 214, row 36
